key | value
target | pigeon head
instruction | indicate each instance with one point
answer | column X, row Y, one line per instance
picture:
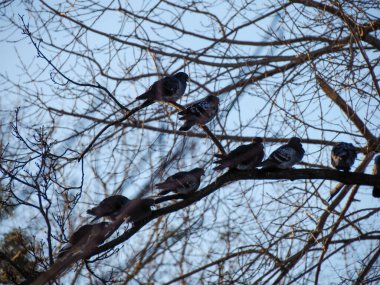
column 199, row 171
column 182, row 76
column 294, row 141
column 348, row 146
column 212, row 99
column 258, row 140
column 123, row 200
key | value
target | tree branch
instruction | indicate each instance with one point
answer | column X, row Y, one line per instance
column 230, row 176
column 367, row 268
column 350, row 113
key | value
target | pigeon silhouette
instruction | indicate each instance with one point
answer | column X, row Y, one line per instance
column 168, row 89
column 183, row 182
column 376, row 171
column 84, row 234
column 285, row 156
column 343, row 156
column 138, row 209
column 200, row 112
column 244, row 157
column 110, row 207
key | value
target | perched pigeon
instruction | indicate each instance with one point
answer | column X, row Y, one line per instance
column 182, row 182
column 110, row 207
column 343, row 156
column 200, row 112
column 376, row 171
column 168, row 89
column 96, row 232
column 285, row 156
column 244, row 157
column 138, row 209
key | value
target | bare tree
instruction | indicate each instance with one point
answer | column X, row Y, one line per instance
column 74, row 134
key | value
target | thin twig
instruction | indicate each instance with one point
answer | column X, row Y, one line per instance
column 27, row 32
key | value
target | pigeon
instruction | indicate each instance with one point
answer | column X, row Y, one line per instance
column 285, row 156
column 83, row 234
column 200, row 112
column 110, row 207
column 138, row 209
column 183, row 182
column 376, row 171
column 244, row 157
column 168, row 89
column 343, row 156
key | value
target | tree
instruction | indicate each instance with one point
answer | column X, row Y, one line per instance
column 280, row 68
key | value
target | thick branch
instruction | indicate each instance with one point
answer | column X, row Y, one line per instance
column 350, row 178
column 230, row 176
column 214, row 139
column 350, row 113
column 368, row 27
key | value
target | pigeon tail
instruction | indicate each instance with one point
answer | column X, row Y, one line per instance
column 95, row 219
column 164, row 192
column 222, row 163
column 146, row 103
column 187, row 126
column 144, row 96
column 65, row 249
column 266, row 164
column 218, row 155
column 92, row 213
column 219, row 167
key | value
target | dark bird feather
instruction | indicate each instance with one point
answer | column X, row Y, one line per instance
column 244, row 157
column 199, row 113
column 95, row 232
column 183, row 182
column 110, row 207
column 285, row 156
column 168, row 89
column 343, row 156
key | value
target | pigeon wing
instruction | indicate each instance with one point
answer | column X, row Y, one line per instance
column 283, row 154
column 170, row 86
column 233, row 158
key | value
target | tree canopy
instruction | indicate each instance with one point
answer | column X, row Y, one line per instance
column 73, row 134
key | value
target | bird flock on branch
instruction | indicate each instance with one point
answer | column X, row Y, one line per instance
column 245, row 157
